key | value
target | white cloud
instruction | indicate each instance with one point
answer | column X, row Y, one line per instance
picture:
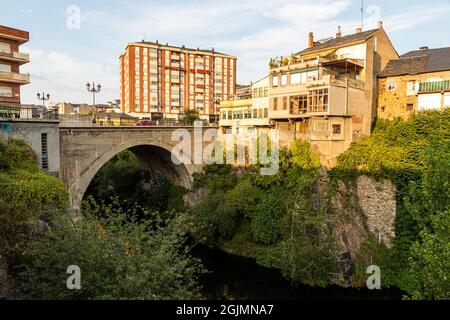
column 253, row 30
column 64, row 77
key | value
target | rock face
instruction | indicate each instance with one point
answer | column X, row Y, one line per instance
column 368, row 207
column 193, row 198
column 378, row 203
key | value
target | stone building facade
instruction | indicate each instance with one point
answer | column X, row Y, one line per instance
column 419, row 80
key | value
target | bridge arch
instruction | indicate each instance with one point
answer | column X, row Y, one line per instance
column 152, row 154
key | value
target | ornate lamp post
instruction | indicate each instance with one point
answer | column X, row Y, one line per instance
column 92, row 88
column 44, row 97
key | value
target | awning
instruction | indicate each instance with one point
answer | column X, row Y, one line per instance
column 345, row 63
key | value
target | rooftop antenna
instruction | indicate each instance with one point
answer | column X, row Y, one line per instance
column 362, row 14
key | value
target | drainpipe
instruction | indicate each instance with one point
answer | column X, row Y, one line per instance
column 346, row 88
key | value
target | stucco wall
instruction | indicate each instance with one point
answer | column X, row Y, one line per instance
column 30, row 131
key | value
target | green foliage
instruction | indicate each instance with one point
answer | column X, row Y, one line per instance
column 119, row 258
column 16, row 154
column 372, row 252
column 190, row 116
column 254, row 216
column 26, row 194
column 429, row 276
column 123, row 177
column 415, row 155
column 265, row 222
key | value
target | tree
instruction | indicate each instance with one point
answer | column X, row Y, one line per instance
column 430, row 261
column 190, row 116
column 119, row 258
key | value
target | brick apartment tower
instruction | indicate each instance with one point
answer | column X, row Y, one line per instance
column 10, row 61
column 170, row 80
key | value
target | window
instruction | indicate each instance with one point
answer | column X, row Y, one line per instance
column 275, row 104
column 283, row 79
column 383, row 109
column 5, row 47
column 296, row 78
column 392, row 86
column 230, row 115
column 318, row 100
column 412, row 88
column 322, row 126
column 255, row 113
column 299, row 104
column 300, row 77
column 5, row 67
column 224, row 115
column 410, row 107
column 285, row 103
column 337, row 129
column 5, row 92
column 266, row 112
column 275, row 81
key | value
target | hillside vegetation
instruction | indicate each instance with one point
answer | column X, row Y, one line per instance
column 279, row 221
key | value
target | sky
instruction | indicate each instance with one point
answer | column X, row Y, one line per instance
column 73, row 42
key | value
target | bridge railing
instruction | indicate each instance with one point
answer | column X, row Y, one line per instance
column 21, row 112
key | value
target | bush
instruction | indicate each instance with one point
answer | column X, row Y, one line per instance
column 265, row 221
column 430, row 262
column 119, row 258
column 26, row 194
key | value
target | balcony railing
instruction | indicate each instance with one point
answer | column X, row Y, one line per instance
column 435, row 86
column 14, row 77
column 14, row 56
column 21, row 56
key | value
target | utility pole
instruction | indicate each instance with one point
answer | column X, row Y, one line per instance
column 362, row 14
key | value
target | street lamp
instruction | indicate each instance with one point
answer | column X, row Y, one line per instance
column 92, row 88
column 44, row 97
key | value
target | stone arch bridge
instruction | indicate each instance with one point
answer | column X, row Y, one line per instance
column 84, row 150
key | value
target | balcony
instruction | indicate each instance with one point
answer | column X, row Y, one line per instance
column 19, row 57
column 437, row 86
column 332, row 80
column 13, row 77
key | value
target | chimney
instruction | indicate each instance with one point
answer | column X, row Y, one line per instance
column 311, row 40
column 339, row 33
column 380, row 24
column 424, row 48
column 358, row 30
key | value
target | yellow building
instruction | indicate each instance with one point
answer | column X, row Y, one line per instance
column 115, row 119
column 419, row 80
column 250, row 113
column 327, row 93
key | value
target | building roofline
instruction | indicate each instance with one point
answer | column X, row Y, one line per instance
column 21, row 35
column 369, row 34
column 150, row 44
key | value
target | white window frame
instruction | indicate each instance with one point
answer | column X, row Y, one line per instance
column 391, row 86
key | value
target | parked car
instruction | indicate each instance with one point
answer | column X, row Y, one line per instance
column 145, row 123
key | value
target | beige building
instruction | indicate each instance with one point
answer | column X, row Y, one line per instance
column 250, row 113
column 165, row 81
column 65, row 108
column 419, row 80
column 327, row 93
